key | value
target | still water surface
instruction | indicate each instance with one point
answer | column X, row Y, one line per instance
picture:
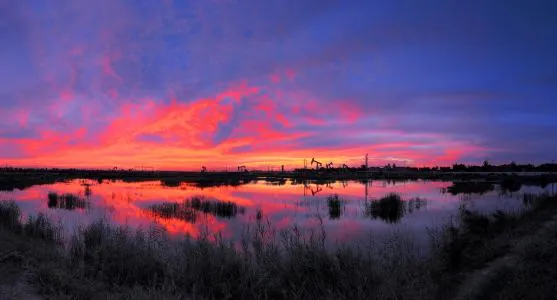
column 188, row 209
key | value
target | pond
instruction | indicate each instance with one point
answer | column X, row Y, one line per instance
column 348, row 211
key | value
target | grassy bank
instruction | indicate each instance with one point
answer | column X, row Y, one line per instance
column 468, row 247
column 104, row 261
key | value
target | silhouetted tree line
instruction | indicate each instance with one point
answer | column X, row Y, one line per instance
column 511, row 167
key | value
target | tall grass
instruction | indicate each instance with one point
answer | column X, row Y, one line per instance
column 266, row 264
column 40, row 226
column 10, row 215
column 269, row 264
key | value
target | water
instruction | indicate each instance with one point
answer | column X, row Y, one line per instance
column 351, row 218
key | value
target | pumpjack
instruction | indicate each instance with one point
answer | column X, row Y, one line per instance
column 318, row 164
column 203, row 169
column 242, row 169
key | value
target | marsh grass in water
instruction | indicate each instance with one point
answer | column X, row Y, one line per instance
column 336, row 206
column 222, row 209
column 189, row 209
column 66, row 201
column 389, row 208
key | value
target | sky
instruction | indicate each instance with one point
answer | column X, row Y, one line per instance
column 176, row 84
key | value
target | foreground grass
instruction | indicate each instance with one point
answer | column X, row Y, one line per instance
column 103, row 261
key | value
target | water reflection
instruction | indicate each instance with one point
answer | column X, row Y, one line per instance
column 350, row 210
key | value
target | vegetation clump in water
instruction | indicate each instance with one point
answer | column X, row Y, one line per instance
column 389, row 208
column 189, row 209
column 470, row 187
column 336, row 205
column 66, row 201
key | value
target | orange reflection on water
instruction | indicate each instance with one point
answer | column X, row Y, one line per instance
column 306, row 205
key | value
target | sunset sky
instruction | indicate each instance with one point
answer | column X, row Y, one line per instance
column 177, row 84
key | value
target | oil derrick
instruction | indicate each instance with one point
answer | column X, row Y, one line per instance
column 318, row 164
